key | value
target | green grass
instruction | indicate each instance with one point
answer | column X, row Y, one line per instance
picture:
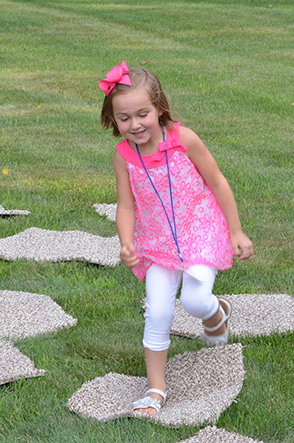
column 227, row 68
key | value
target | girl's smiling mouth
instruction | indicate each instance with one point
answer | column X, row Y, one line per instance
column 139, row 134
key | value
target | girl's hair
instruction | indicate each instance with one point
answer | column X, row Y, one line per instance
column 146, row 79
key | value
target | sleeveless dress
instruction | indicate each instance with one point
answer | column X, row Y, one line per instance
column 202, row 230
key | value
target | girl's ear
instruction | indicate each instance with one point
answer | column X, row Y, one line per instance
column 160, row 112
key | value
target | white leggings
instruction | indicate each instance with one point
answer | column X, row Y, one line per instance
column 162, row 285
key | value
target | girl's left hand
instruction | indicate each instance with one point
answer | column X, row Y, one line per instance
column 242, row 245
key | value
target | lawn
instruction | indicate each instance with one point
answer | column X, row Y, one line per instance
column 227, row 68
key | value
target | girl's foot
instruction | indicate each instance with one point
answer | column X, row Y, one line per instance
column 216, row 328
column 151, row 403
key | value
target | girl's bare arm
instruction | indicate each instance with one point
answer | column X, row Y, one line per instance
column 198, row 153
column 125, row 216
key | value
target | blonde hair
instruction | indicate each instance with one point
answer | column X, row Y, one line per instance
column 146, row 79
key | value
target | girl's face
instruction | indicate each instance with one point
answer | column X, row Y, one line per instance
column 138, row 119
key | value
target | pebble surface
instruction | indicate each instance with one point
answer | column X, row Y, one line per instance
column 24, row 314
column 14, row 365
column 218, row 435
column 201, row 385
column 5, row 212
column 252, row 314
column 44, row 245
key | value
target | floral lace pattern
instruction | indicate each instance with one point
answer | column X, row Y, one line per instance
column 202, row 230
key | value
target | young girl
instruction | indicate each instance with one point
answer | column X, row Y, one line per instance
column 176, row 217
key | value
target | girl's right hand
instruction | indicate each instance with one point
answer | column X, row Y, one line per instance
column 128, row 255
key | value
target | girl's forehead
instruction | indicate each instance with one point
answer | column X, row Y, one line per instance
column 137, row 98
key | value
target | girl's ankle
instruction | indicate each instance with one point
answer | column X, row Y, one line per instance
column 214, row 321
column 160, row 386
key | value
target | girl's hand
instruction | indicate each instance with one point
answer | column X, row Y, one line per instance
column 128, row 256
column 242, row 245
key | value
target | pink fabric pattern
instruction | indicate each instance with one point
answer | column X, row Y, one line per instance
column 203, row 233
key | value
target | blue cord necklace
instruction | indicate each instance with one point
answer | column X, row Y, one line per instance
column 173, row 230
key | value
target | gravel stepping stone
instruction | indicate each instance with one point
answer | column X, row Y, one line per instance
column 215, row 435
column 23, row 314
column 4, row 212
column 45, row 245
column 201, row 385
column 105, row 209
column 252, row 314
column 14, row 365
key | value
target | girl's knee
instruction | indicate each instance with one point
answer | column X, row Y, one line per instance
column 162, row 285
column 197, row 298
column 159, row 315
column 199, row 306
column 158, row 323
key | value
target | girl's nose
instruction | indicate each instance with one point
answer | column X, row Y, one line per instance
column 135, row 123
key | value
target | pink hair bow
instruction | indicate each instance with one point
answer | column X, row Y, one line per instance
column 118, row 74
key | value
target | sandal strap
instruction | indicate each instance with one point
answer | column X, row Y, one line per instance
column 149, row 402
column 156, row 391
column 225, row 317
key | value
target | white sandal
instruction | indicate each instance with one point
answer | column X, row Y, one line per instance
column 214, row 340
column 149, row 402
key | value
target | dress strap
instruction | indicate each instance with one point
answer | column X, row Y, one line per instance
column 171, row 144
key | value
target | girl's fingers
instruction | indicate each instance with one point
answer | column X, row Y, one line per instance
column 128, row 256
column 242, row 246
column 244, row 252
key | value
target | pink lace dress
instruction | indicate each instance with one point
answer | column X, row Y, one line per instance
column 202, row 230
